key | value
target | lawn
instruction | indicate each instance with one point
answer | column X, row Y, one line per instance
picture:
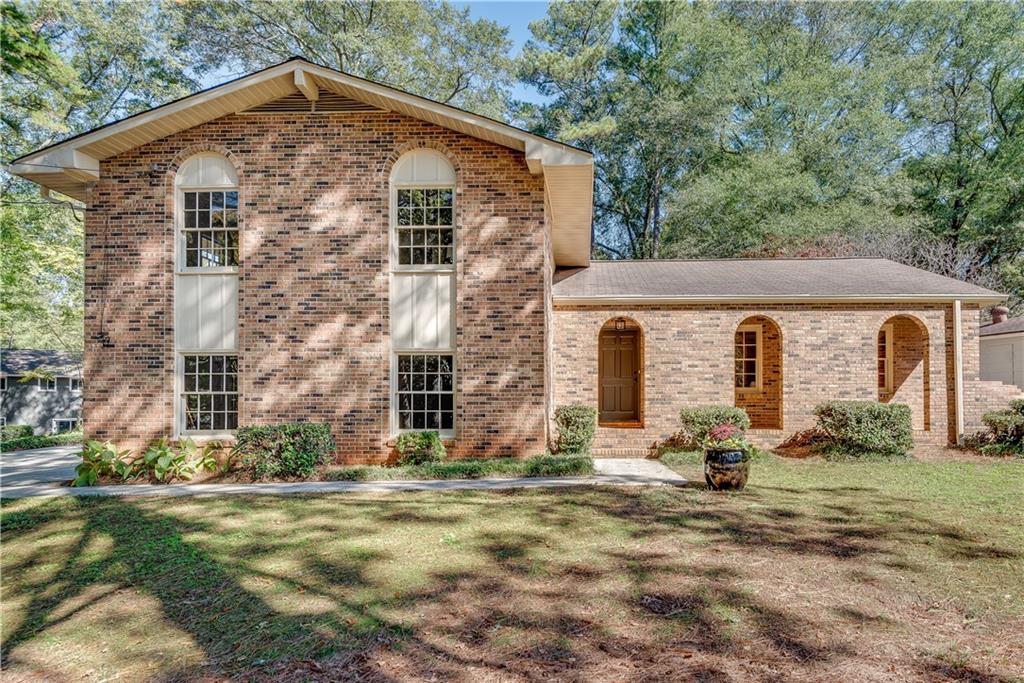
column 878, row 572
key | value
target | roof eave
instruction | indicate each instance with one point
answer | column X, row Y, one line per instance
column 564, row 300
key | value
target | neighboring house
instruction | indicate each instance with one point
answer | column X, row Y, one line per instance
column 42, row 389
column 1002, row 348
column 301, row 244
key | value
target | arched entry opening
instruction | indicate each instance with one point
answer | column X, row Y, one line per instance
column 758, row 371
column 902, row 367
column 620, row 373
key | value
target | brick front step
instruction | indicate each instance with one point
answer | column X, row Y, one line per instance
column 620, row 453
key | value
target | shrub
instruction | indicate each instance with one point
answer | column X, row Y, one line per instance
column 538, row 466
column 576, row 425
column 418, row 448
column 101, row 460
column 558, row 466
column 1005, row 430
column 698, row 421
column 284, row 450
column 865, row 428
column 44, row 441
column 9, row 432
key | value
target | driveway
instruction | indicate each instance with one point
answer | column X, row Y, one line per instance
column 39, row 466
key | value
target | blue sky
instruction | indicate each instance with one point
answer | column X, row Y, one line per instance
column 517, row 16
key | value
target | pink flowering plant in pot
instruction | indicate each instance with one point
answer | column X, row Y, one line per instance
column 726, row 458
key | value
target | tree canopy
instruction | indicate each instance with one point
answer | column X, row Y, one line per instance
column 719, row 128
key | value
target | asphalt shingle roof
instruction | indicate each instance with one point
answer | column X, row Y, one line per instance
column 59, row 363
column 840, row 278
column 1006, row 327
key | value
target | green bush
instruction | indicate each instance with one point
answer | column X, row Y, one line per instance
column 9, row 432
column 857, row 429
column 102, row 460
column 1005, row 430
column 577, row 423
column 698, row 421
column 418, row 448
column 284, row 450
column 45, row 441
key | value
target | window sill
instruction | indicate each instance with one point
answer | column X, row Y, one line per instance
column 219, row 270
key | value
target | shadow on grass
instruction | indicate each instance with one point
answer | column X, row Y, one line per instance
column 525, row 607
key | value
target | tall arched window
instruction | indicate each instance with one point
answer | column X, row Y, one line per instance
column 423, row 256
column 206, row 296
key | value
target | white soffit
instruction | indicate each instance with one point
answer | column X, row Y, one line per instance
column 67, row 167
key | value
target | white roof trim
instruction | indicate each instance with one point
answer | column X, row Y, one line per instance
column 741, row 299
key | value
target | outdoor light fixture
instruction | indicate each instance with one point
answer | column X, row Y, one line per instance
column 620, row 324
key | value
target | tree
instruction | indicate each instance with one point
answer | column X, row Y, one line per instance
column 68, row 67
column 426, row 47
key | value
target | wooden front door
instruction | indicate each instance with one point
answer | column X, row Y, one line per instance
column 619, row 377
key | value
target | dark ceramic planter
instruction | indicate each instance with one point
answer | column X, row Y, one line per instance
column 726, row 469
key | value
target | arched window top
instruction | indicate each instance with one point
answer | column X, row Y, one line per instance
column 207, row 170
column 424, row 166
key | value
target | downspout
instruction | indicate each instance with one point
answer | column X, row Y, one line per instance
column 958, row 368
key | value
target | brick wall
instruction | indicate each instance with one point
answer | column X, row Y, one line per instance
column 313, row 285
column 828, row 352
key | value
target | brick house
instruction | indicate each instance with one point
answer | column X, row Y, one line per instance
column 301, row 244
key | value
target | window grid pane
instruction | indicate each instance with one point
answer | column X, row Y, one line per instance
column 210, row 399
column 746, row 359
column 211, row 229
column 425, row 231
column 426, row 393
column 883, row 354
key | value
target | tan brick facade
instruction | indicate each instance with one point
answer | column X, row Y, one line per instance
column 313, row 288
column 828, row 352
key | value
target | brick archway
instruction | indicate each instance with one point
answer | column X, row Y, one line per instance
column 757, row 373
column 902, row 360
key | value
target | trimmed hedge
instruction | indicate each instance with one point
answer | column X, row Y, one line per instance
column 44, row 441
column 1005, row 430
column 577, row 423
column 284, row 450
column 865, row 428
column 539, row 466
column 9, row 432
column 698, row 421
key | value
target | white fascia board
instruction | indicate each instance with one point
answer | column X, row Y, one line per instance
column 652, row 300
column 164, row 110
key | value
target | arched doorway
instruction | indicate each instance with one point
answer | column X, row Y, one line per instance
column 758, row 371
column 902, row 367
column 620, row 374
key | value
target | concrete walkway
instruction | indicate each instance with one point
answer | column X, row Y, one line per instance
column 39, row 466
column 609, row 472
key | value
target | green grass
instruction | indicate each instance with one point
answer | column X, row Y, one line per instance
column 45, row 441
column 540, row 466
column 876, row 570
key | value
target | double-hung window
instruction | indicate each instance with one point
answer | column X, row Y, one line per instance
column 46, row 384
column 423, row 258
column 206, row 296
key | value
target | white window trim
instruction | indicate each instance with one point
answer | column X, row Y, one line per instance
column 887, row 329
column 398, row 270
column 444, row 433
column 180, row 236
column 758, row 385
column 181, row 269
column 179, row 393
column 53, row 423
column 3, row 383
column 47, row 388
column 71, row 384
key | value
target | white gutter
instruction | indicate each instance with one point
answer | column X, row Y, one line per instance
column 740, row 299
column 958, row 368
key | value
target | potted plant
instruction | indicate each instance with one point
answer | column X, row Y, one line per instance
column 726, row 458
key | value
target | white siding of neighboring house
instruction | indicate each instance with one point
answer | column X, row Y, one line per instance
column 1002, row 359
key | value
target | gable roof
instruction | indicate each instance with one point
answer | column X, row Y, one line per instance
column 1009, row 326
column 775, row 280
column 60, row 363
column 70, row 165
